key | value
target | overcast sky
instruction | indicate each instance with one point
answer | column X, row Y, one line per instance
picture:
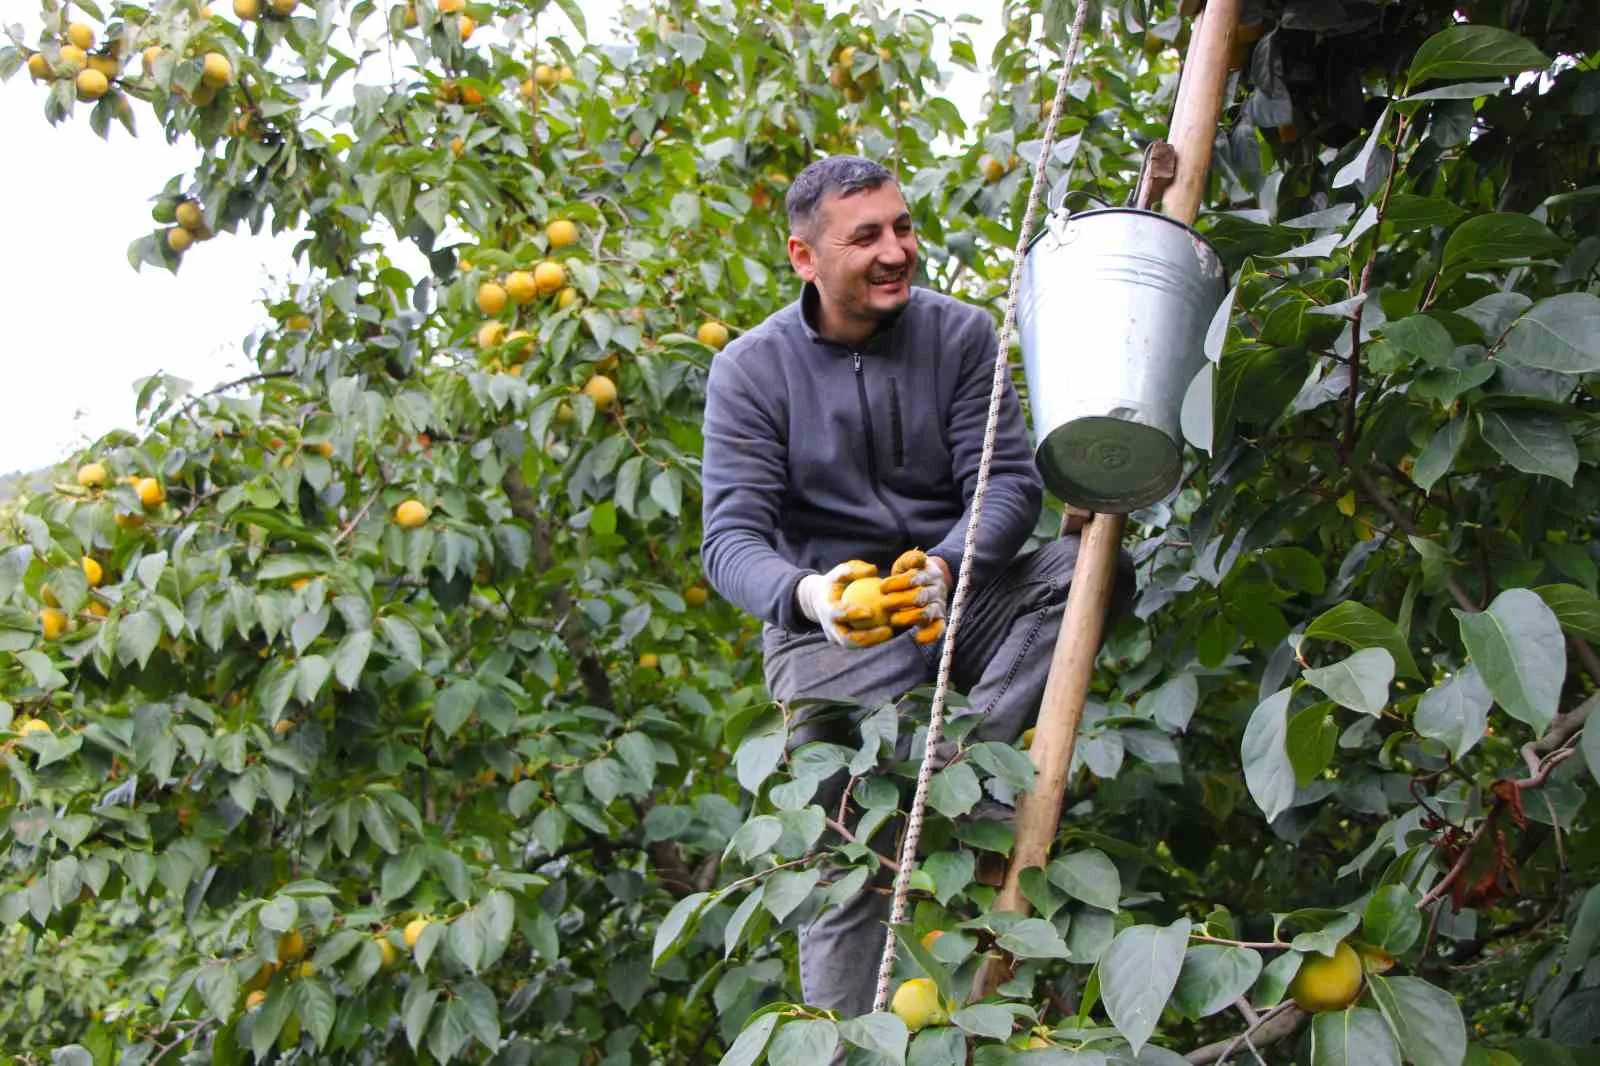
column 81, row 326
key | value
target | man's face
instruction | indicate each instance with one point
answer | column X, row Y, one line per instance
column 860, row 255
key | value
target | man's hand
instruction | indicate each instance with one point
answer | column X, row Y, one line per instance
column 914, row 594
column 819, row 599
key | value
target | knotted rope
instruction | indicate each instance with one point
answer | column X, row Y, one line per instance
column 1002, row 369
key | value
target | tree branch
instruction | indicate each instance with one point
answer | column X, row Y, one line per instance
column 1373, row 491
column 1281, row 1022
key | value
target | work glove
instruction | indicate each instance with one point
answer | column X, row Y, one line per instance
column 914, row 595
column 847, row 625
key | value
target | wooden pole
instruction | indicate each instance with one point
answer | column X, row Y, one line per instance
column 1194, row 126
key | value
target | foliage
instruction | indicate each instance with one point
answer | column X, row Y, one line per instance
column 505, row 787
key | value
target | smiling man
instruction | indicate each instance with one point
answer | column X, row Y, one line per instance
column 846, row 429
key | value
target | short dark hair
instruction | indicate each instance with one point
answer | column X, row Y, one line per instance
column 835, row 175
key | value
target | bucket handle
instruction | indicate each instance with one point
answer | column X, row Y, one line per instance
column 1058, row 199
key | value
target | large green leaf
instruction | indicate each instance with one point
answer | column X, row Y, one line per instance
column 1268, row 772
column 1426, row 1020
column 1468, row 51
column 882, row 1034
column 751, row 1042
column 803, row 1042
column 1138, row 974
column 1487, row 240
column 1355, row 1036
column 1577, row 609
column 1518, row 649
column 1561, row 333
column 1533, row 442
column 1455, row 712
column 1358, row 626
column 1440, row 453
column 1392, row 921
column 1359, row 682
column 1087, row 875
column 1213, row 977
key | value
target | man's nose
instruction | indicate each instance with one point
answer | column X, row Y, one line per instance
column 893, row 252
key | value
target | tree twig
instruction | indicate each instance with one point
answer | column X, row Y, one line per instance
column 265, row 375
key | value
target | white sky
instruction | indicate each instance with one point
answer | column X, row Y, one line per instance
column 81, row 326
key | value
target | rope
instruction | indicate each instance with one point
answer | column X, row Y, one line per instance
column 1002, row 368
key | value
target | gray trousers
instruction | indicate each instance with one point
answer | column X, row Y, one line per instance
column 1008, row 632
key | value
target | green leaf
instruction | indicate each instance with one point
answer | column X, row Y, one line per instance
column 1408, row 211
column 882, row 1034
column 1033, row 938
column 984, row 1019
column 1275, row 978
column 1138, row 974
column 1577, row 609
column 1520, row 653
column 1005, row 762
column 1440, row 454
column 1311, row 741
column 678, row 925
column 314, row 1004
column 351, row 658
column 402, row 637
column 749, row 1045
column 137, row 636
column 454, row 706
column 1359, row 682
column 278, row 916
column 1088, row 875
column 1392, row 921
column 1173, row 704
column 733, row 932
column 1355, row 1036
column 1426, row 1020
column 1487, row 240
column 803, row 1042
column 1422, row 337
column 954, row 791
column 1561, row 333
column 1358, row 626
column 939, row 1046
column 951, row 871
column 1468, row 51
column 603, row 779
column 787, row 889
column 1268, row 772
column 1533, row 442
column 1455, row 712
column 1213, row 977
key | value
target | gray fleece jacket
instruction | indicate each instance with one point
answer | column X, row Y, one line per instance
column 816, row 453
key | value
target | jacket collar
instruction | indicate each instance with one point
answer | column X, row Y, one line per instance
column 811, row 312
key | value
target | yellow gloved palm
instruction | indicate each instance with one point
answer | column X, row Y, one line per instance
column 914, row 595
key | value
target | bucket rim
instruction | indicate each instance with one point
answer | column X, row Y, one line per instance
column 1196, row 234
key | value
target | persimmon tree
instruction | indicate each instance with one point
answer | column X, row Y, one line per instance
column 373, row 706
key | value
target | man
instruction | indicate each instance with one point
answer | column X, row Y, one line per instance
column 849, row 426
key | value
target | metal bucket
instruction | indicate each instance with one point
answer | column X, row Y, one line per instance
column 1113, row 316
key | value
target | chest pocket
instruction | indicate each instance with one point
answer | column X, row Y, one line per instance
column 917, row 449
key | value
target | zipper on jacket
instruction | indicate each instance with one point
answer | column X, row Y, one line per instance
column 872, row 454
column 897, row 445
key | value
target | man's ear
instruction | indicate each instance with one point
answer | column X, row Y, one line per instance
column 802, row 258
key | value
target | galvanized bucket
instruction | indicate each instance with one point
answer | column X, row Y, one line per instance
column 1113, row 315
